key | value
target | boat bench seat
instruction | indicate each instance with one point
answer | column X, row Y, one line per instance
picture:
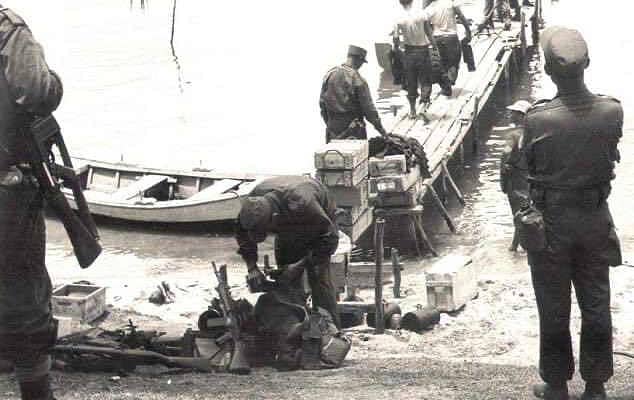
column 134, row 189
column 214, row 190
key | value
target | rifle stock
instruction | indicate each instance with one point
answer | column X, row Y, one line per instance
column 139, row 356
column 40, row 134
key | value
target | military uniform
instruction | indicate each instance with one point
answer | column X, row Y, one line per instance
column 345, row 101
column 570, row 143
column 304, row 222
column 26, row 326
column 513, row 174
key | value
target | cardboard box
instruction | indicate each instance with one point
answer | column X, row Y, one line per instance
column 350, row 196
column 394, row 183
column 341, row 154
column 359, row 227
column 84, row 303
column 343, row 177
column 66, row 326
column 451, row 283
column 388, row 165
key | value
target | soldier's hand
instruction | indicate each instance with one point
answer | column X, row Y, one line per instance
column 255, row 279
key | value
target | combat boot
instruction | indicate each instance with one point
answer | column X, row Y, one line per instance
column 551, row 392
column 594, row 391
column 37, row 390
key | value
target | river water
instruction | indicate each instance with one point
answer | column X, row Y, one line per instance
column 238, row 90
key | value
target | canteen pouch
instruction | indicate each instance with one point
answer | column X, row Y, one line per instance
column 531, row 229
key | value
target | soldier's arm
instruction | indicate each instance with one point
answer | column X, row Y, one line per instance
column 33, row 86
column 430, row 33
column 616, row 132
column 247, row 247
column 367, row 106
column 464, row 21
column 322, row 101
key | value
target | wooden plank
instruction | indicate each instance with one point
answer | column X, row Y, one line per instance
column 218, row 188
column 140, row 186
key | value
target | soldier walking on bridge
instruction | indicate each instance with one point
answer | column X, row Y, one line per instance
column 417, row 36
column 570, row 144
column 345, row 100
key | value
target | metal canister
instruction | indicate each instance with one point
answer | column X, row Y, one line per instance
column 389, row 309
column 421, row 319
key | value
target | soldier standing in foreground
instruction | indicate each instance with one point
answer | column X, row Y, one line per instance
column 27, row 329
column 345, row 100
column 301, row 212
column 570, row 144
column 513, row 170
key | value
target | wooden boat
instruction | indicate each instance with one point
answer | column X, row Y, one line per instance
column 129, row 192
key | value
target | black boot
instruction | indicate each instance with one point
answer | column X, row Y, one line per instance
column 551, row 392
column 594, row 391
column 37, row 390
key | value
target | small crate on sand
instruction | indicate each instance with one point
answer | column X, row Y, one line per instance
column 84, row 303
column 451, row 283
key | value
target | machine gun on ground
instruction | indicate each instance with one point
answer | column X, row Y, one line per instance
column 239, row 363
column 40, row 134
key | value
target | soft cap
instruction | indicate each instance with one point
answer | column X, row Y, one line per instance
column 357, row 51
column 520, row 105
column 565, row 50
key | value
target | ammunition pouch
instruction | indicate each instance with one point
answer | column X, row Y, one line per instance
column 531, row 229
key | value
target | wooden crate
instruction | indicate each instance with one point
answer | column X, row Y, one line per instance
column 361, row 274
column 350, row 196
column 338, row 271
column 343, row 177
column 451, row 282
column 84, row 303
column 388, row 165
column 359, row 227
column 409, row 198
column 394, row 183
column 341, row 154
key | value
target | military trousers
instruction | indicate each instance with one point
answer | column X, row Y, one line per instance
column 576, row 255
column 450, row 53
column 27, row 329
column 418, row 71
column 290, row 249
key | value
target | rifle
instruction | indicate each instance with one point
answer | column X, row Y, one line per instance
column 40, row 134
column 239, row 363
column 134, row 356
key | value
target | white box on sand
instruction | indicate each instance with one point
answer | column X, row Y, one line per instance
column 84, row 303
column 451, row 282
column 66, row 326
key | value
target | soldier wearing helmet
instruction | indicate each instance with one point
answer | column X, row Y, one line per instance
column 301, row 212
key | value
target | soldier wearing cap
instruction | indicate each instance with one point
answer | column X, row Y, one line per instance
column 345, row 100
column 301, row 212
column 27, row 328
column 570, row 144
column 513, row 170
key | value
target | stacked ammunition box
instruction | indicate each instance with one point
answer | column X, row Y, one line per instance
column 342, row 165
column 391, row 184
